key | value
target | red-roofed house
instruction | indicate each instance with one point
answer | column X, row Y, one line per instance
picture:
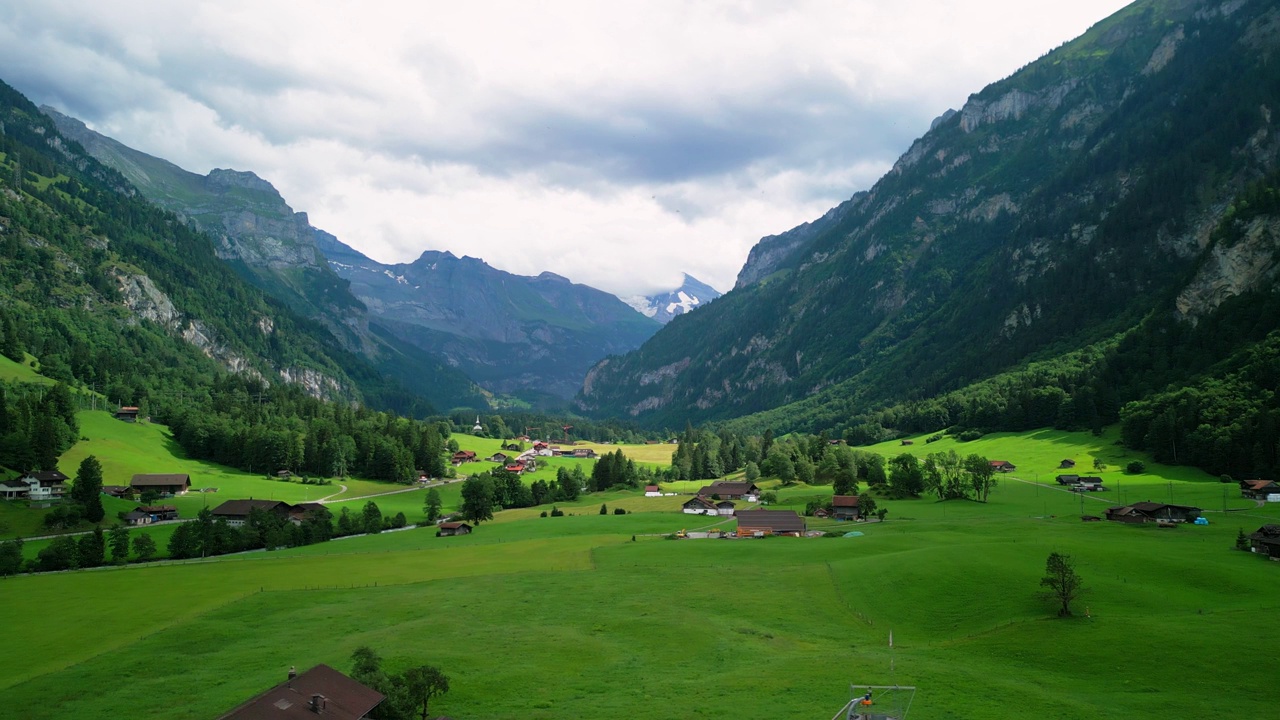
column 1003, row 466
column 652, row 491
column 1268, row 490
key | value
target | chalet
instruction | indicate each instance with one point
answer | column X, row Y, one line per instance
column 1266, row 541
column 463, row 456
column 283, row 474
column 1268, row 490
column 1088, row 483
column 135, row 518
column 1067, row 464
column 42, row 485
column 319, row 692
column 822, row 513
column 1068, row 479
column 731, row 491
column 758, row 523
column 845, row 507
column 516, row 468
column 453, row 528
column 1003, row 466
column 236, row 512
column 908, row 442
column 118, row 491
column 584, row 453
column 699, row 506
column 1145, row 512
column 298, row 513
column 158, row 512
column 14, row 490
column 127, row 414
column 498, row 458
column 652, row 491
column 165, row 483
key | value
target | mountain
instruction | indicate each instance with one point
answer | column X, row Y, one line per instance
column 108, row 291
column 274, row 248
column 533, row 337
column 1117, row 188
column 664, row 306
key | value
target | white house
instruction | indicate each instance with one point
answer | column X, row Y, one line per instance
column 652, row 491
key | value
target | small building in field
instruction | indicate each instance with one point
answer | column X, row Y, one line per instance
column 516, row 468
column 463, row 456
column 845, row 507
column 158, row 512
column 163, row 483
column 652, row 491
column 320, row 692
column 127, row 413
column 908, row 442
column 498, row 457
column 731, row 491
column 1003, row 466
column 1266, row 541
column 1267, row 490
column 822, row 513
column 699, row 506
column 14, row 490
column 758, row 523
column 236, row 512
column 1068, row 479
column 584, row 453
column 118, row 491
column 135, row 518
column 453, row 528
column 1088, row 483
column 1145, row 512
column 298, row 513
column 1067, row 464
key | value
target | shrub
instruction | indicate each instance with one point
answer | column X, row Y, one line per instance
column 1225, row 478
column 619, row 511
column 544, row 514
column 1136, row 467
column 556, row 512
column 969, row 435
column 933, row 438
column 603, row 510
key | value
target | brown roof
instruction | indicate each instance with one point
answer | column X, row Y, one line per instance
column 156, row 508
column 699, row 500
column 1258, row 484
column 778, row 521
column 48, row 476
column 844, row 501
column 160, row 479
column 651, row 488
column 454, row 525
column 241, row 508
column 342, row 698
column 728, row 488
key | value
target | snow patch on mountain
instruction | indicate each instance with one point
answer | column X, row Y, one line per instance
column 663, row 307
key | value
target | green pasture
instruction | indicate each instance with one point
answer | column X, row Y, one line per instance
column 11, row 371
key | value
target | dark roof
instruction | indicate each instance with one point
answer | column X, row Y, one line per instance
column 454, row 525
column 1150, row 507
column 241, row 508
column 699, row 500
column 1267, row 532
column 728, row 488
column 161, row 479
column 844, row 501
column 156, row 508
column 343, row 698
column 109, row 489
column 47, row 476
column 304, row 508
column 778, row 521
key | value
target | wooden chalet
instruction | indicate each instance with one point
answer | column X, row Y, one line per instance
column 822, row 513
column 758, row 523
column 1266, row 541
column 118, row 491
column 1067, row 464
column 463, row 456
column 320, row 692
column 1088, row 483
column 1003, row 466
column 298, row 513
column 584, row 453
column 127, row 413
column 1145, row 512
column 1260, row 490
column 845, row 507
column 908, row 442
column 41, row 485
column 236, row 512
column 159, row 512
column 731, row 491
column 1068, row 479
column 706, row 506
column 498, row 457
column 163, row 483
column 453, row 528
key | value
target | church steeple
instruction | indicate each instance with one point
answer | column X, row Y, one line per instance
column 478, row 427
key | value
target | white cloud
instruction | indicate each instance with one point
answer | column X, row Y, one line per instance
column 616, row 143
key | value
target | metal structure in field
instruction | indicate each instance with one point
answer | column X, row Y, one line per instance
column 877, row 702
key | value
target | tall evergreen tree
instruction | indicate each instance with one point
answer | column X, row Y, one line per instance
column 87, row 490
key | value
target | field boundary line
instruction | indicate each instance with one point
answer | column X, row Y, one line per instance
column 835, row 586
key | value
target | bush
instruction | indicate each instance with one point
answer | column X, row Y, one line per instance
column 1136, row 467
column 619, row 511
column 556, row 512
column 969, row 435
column 544, row 514
column 603, row 510
column 1225, row 478
column 933, row 438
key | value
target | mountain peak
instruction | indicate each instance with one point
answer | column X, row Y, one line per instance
column 663, row 307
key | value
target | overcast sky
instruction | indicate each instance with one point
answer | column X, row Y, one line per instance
column 615, row 143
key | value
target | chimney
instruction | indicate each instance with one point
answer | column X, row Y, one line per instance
column 317, row 703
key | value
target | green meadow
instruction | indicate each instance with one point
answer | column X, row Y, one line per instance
column 537, row 617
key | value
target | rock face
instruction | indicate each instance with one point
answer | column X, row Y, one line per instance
column 530, row 336
column 663, row 307
column 1057, row 207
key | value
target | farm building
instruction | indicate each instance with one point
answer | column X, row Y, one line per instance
column 127, row 414
column 1003, row 466
column 236, row 512
column 158, row 512
column 770, row 522
column 453, row 528
column 299, row 512
column 1145, row 512
column 1268, row 490
column 163, row 483
column 43, row 485
column 498, row 458
column 463, row 456
column 1067, row 464
column 731, row 491
column 1087, row 483
column 1266, row 541
column 652, row 491
column 318, row 692
column 845, row 507
column 706, row 506
column 1068, row 479
column 116, row 490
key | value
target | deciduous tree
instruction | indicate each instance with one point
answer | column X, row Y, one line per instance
column 1062, row 582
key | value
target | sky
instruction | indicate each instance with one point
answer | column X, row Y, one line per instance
column 615, row 143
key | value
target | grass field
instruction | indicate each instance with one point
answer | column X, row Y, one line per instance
column 568, row 617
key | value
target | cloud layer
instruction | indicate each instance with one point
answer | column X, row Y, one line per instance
column 617, row 143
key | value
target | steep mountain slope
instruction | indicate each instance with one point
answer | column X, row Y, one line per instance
column 106, row 289
column 1056, row 209
column 663, row 307
column 273, row 247
column 529, row 336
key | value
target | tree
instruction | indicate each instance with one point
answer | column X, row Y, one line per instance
column 603, row 510
column 1062, row 581
column 87, row 490
column 752, row 472
column 60, row 554
column 1136, row 467
column 118, row 539
column 423, row 683
column 10, row 557
column 477, row 499
column 371, row 517
column 144, row 546
column 1099, row 465
column 92, row 548
column 433, row 505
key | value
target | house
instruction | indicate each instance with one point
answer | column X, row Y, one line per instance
column 584, row 453
column 1003, row 466
column 42, row 485
column 700, row 506
column 453, row 528
column 1088, row 483
column 319, row 692
column 498, row 458
column 652, row 491
column 236, row 512
column 463, row 456
column 1067, row 464
column 14, row 489
column 1145, row 512
column 845, row 507
column 158, row 512
column 725, row 507
column 283, row 474
column 1268, row 490
column 908, row 442
column 516, row 468
column 164, row 483
column 1266, row 541
column 116, row 490
column 758, row 523
column 732, row 490
column 127, row 414
column 1068, row 479
column 822, row 513
column 298, row 513
column 134, row 517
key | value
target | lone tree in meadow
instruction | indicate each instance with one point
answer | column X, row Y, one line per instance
column 1062, row 581
column 423, row 683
